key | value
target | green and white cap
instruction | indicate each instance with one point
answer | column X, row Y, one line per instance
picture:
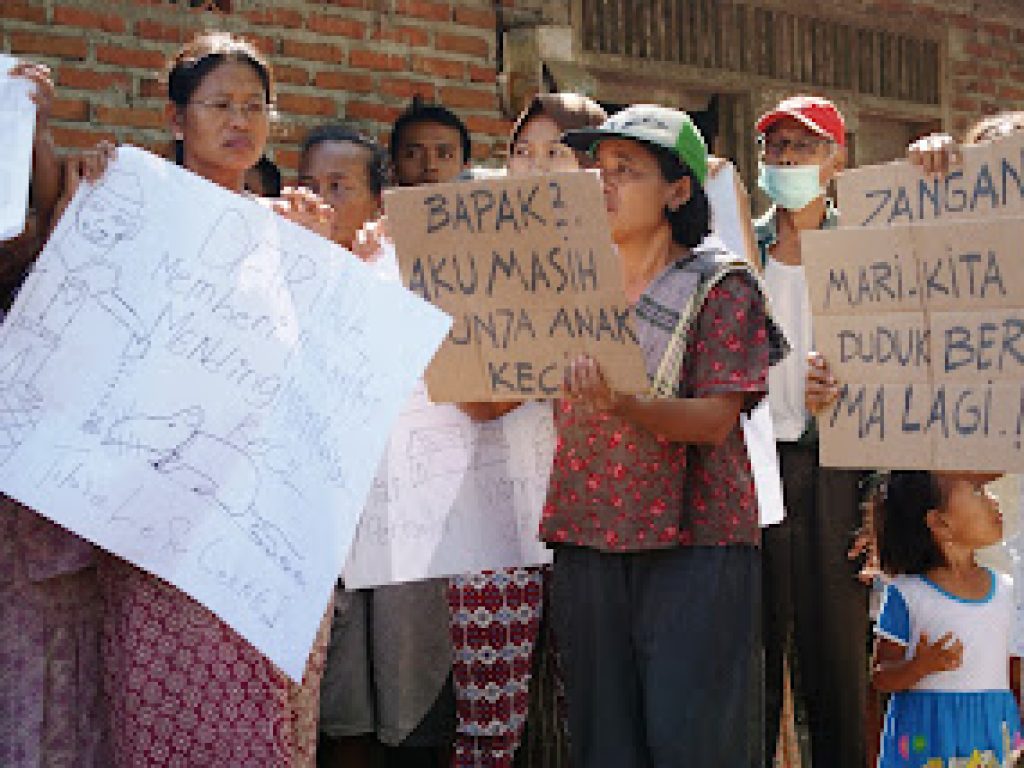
column 651, row 124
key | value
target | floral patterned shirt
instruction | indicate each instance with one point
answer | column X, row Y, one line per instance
column 618, row 487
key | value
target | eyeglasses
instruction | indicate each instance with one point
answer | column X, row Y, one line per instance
column 225, row 108
column 777, row 146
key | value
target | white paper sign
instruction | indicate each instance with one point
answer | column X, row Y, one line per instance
column 17, row 131
column 205, row 389
column 453, row 496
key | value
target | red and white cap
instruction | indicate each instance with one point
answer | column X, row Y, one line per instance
column 813, row 112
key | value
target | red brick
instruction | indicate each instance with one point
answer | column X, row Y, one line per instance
column 468, row 98
column 411, row 36
column 965, row 104
column 306, row 104
column 358, row 82
column 986, row 87
column 163, row 33
column 406, row 89
column 80, row 17
column 488, row 125
column 482, row 74
column 425, row 10
column 365, row 110
column 292, row 75
column 978, row 50
column 88, row 79
column 274, row 17
column 381, row 62
column 483, row 18
column 78, row 138
column 134, row 117
column 1000, row 31
column 965, row 69
column 340, row 26
column 152, row 87
column 130, row 57
column 472, row 46
column 991, row 72
column 313, row 51
column 70, row 109
column 49, row 44
column 1010, row 92
column 22, row 11
column 430, row 65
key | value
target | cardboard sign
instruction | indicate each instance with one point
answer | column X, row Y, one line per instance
column 527, row 269
column 989, row 183
column 924, row 328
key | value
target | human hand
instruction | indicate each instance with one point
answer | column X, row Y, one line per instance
column 865, row 544
column 821, row 387
column 585, row 382
column 370, row 239
column 935, row 153
column 944, row 655
column 43, row 92
column 306, row 209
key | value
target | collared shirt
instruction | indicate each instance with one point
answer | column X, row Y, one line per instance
column 786, row 286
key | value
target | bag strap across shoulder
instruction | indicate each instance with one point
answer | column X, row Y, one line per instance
column 666, row 380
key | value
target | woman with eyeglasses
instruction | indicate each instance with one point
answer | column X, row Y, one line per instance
column 184, row 688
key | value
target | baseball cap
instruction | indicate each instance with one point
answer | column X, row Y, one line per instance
column 650, row 124
column 813, row 112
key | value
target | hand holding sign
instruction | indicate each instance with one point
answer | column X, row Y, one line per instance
column 527, row 269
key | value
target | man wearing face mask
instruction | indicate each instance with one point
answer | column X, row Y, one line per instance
column 814, row 608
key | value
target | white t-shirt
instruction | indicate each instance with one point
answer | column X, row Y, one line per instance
column 791, row 306
column 914, row 605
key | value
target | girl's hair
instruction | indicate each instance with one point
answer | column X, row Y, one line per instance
column 900, row 504
column 691, row 222
column 199, row 57
column 569, row 111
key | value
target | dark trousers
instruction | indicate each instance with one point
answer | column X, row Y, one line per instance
column 815, row 609
column 657, row 651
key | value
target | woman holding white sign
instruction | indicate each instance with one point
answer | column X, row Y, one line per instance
column 652, row 509
column 183, row 687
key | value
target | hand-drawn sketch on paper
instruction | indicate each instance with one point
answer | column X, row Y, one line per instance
column 206, row 394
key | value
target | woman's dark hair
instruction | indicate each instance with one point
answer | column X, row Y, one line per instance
column 419, row 111
column 378, row 165
column 900, row 505
column 691, row 222
column 199, row 57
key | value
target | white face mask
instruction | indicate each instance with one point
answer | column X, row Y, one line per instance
column 792, row 187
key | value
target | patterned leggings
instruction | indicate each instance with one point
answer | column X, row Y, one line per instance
column 495, row 616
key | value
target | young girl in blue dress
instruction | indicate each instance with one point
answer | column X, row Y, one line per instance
column 942, row 646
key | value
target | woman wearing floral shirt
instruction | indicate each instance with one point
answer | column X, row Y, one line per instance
column 652, row 508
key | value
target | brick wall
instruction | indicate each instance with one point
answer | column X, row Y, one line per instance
column 360, row 60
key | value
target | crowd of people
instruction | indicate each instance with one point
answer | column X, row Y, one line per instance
column 672, row 616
